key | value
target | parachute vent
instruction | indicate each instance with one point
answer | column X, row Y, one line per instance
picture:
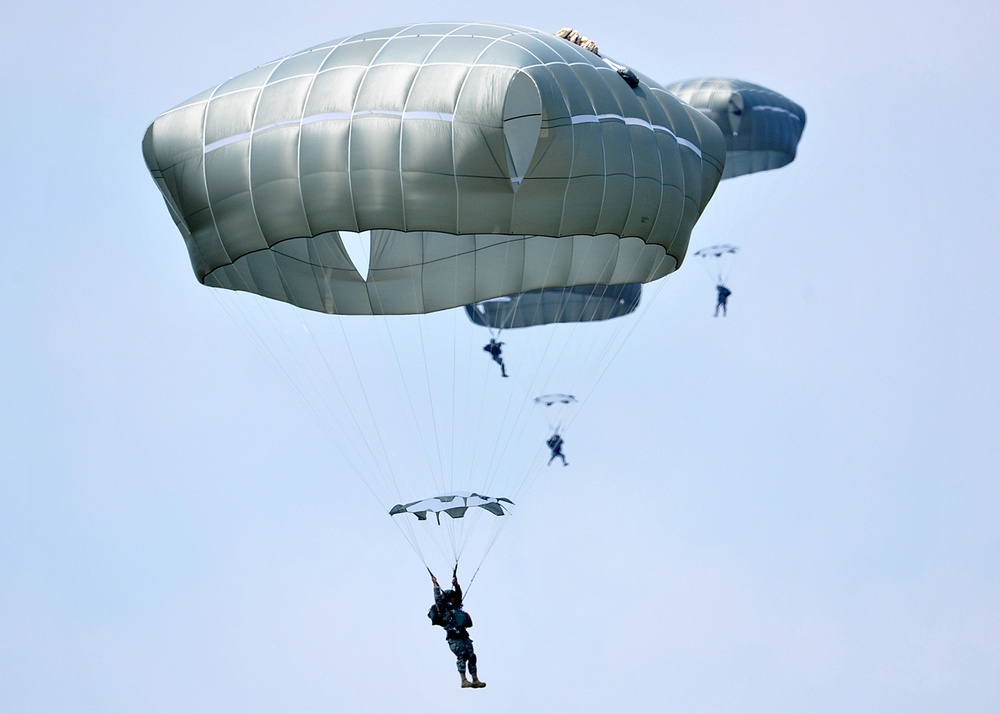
column 629, row 77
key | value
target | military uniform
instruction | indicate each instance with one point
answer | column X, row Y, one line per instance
column 456, row 623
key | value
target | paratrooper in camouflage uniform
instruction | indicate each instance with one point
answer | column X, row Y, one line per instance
column 447, row 612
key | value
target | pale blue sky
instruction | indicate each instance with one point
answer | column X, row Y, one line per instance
column 795, row 509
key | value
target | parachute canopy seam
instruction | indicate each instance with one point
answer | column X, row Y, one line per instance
column 442, row 117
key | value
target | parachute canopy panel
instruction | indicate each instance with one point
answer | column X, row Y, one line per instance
column 453, row 504
column 486, row 160
column 762, row 128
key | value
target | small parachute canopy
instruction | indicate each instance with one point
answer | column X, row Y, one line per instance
column 454, row 504
column 718, row 261
column 582, row 303
column 762, row 128
column 716, row 251
column 550, row 399
column 556, row 407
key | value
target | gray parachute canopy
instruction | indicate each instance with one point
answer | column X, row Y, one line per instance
column 485, row 159
column 762, row 128
column 581, row 303
column 454, row 504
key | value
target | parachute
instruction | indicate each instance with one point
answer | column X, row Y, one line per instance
column 581, row 303
column 716, row 251
column 486, row 160
column 454, row 504
column 550, row 399
column 493, row 167
column 761, row 127
column 555, row 409
column 717, row 261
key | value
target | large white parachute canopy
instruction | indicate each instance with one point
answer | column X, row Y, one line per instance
column 487, row 160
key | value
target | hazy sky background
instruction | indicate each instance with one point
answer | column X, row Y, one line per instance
column 793, row 510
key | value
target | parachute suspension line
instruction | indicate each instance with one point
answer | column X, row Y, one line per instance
column 446, row 551
column 437, row 537
column 529, row 465
column 621, row 343
column 478, row 376
column 406, row 387
column 454, row 385
column 724, row 274
column 498, row 449
column 489, row 547
column 707, row 269
column 456, row 537
column 453, row 442
column 501, row 446
column 606, row 356
column 573, row 332
column 411, row 537
column 609, row 349
column 728, row 273
column 491, row 541
column 371, row 413
column 262, row 345
column 714, row 263
column 479, row 412
column 324, row 417
column 526, row 484
column 479, row 373
column 409, row 399
column 430, row 401
column 331, row 374
column 494, row 463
